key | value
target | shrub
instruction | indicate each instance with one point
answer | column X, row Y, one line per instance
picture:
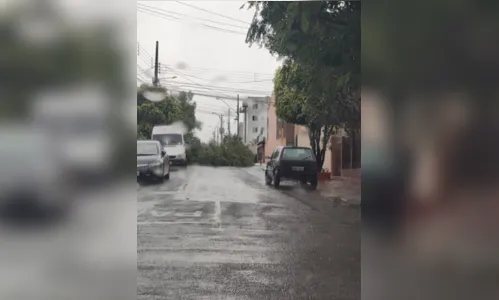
column 230, row 152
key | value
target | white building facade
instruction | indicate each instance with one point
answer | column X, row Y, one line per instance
column 256, row 119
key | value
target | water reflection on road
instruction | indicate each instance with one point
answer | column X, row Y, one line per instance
column 220, row 233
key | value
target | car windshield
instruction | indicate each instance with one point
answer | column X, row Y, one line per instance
column 147, row 149
column 297, row 154
column 170, row 139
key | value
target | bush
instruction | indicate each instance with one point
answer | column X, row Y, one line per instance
column 231, row 152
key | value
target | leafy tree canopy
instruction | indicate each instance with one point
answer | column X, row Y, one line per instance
column 322, row 34
column 170, row 110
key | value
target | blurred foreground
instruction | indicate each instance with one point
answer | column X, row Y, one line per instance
column 430, row 150
column 68, row 224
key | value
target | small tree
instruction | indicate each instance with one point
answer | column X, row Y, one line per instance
column 320, row 41
column 300, row 101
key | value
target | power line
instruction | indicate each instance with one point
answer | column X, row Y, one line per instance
column 211, row 12
column 145, row 61
column 229, row 82
column 181, row 75
column 221, row 88
column 145, row 52
column 217, row 96
column 143, row 71
column 175, row 19
column 184, row 15
column 264, row 80
column 224, row 71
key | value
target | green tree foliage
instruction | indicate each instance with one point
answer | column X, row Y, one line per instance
column 324, row 35
column 318, row 84
column 230, row 152
column 295, row 103
column 168, row 111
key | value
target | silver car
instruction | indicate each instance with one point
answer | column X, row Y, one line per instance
column 152, row 161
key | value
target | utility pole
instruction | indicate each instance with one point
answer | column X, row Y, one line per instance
column 155, row 80
column 245, row 110
column 228, row 122
column 237, row 116
column 221, row 128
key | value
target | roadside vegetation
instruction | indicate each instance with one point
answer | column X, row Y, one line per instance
column 229, row 152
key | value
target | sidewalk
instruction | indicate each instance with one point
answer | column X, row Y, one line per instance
column 342, row 191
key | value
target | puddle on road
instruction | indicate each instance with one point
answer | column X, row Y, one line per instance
column 219, row 257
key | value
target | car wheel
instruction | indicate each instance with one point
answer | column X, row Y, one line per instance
column 313, row 183
column 268, row 179
column 167, row 176
column 162, row 177
column 276, row 179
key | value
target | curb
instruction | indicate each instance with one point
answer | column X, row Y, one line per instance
column 343, row 201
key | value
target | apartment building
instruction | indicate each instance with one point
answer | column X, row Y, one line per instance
column 256, row 119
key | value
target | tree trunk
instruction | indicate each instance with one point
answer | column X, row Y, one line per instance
column 314, row 134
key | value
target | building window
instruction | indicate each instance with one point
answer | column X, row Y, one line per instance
column 255, row 106
column 254, row 118
column 255, row 129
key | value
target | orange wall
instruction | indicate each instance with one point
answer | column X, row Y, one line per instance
column 272, row 140
column 304, row 141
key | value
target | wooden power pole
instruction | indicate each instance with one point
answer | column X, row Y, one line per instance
column 155, row 80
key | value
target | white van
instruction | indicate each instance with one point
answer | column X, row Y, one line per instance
column 172, row 140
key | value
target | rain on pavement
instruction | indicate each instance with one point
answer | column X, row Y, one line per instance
column 220, row 233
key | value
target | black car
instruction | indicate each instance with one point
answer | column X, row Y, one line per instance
column 292, row 163
column 152, row 161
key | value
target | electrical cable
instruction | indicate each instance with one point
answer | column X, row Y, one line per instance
column 181, row 75
column 211, row 12
column 184, row 15
column 175, row 19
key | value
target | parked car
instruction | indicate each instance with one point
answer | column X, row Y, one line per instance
column 31, row 177
column 152, row 161
column 293, row 164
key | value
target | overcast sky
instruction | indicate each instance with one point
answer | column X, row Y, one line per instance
column 202, row 43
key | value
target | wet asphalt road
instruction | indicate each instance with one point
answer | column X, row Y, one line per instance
column 220, row 233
